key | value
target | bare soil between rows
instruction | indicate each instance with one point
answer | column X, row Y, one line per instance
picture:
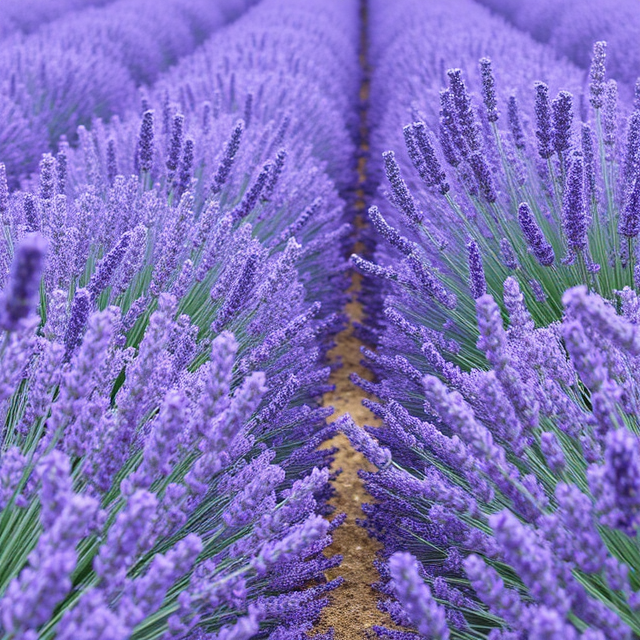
column 353, row 609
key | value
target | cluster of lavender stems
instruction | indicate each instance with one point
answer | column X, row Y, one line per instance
column 177, row 188
column 91, row 63
column 172, row 280
column 571, row 26
column 25, row 16
column 500, row 283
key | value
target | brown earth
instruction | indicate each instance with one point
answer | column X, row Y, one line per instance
column 353, row 609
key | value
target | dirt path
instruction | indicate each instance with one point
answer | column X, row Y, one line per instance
column 353, row 609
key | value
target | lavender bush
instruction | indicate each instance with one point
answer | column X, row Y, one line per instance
column 500, row 497
column 496, row 187
column 89, row 63
column 571, row 27
column 516, row 487
column 160, row 471
column 27, row 15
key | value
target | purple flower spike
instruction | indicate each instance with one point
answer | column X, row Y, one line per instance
column 415, row 597
column 175, row 143
column 101, row 279
column 594, row 312
column 477, row 280
column 489, row 89
column 629, row 224
column 597, row 74
column 562, row 111
column 534, row 236
column 145, row 149
column 553, row 452
column 464, row 110
column 20, row 296
column 424, row 157
column 491, row 589
column 544, row 130
column 482, row 172
column 574, row 214
column 616, row 484
column 364, row 443
column 77, row 321
column 588, row 152
column 531, row 558
column 515, row 124
column 402, row 197
column 228, row 157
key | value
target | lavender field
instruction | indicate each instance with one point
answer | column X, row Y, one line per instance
column 319, row 319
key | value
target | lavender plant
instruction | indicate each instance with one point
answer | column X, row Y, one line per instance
column 571, row 27
column 515, row 489
column 252, row 153
column 28, row 15
column 89, row 63
column 160, row 470
column 499, row 495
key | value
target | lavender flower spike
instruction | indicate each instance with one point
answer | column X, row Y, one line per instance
column 594, row 312
column 597, row 73
column 230, row 151
column 145, row 142
column 543, row 121
column 573, row 207
column 489, row 89
column 79, row 314
column 402, row 197
column 534, row 236
column 515, row 124
column 416, row 599
column 21, row 294
column 562, row 121
column 363, row 442
column 629, row 224
column 477, row 280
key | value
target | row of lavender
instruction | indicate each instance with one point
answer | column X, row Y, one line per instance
column 88, row 63
column 160, row 473
column 26, row 16
column 571, row 26
column 508, row 458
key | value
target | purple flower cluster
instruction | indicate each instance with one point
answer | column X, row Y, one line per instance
column 90, row 63
column 517, row 487
column 571, row 27
column 492, row 177
column 28, row 15
column 507, row 455
column 171, row 286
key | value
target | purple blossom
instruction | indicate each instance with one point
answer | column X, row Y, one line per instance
column 615, row 484
column 20, row 294
column 597, row 74
column 544, row 130
column 477, row 281
column 574, row 215
column 534, row 236
column 562, row 118
column 416, row 599
column 80, row 310
column 402, row 197
column 145, row 150
column 488, row 90
column 364, row 443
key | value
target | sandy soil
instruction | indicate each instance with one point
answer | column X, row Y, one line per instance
column 353, row 610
